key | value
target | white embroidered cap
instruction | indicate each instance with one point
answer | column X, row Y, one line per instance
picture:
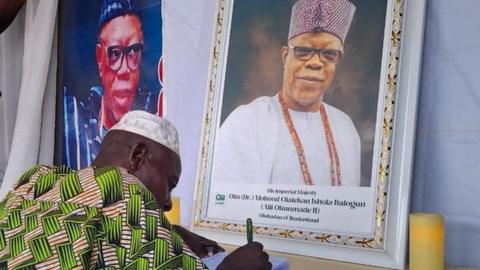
column 313, row 16
column 150, row 126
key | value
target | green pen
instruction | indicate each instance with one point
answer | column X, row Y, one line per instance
column 249, row 230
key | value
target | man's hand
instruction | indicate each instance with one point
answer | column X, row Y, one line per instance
column 248, row 257
column 201, row 246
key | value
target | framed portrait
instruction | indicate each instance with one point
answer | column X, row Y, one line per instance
column 329, row 181
column 110, row 54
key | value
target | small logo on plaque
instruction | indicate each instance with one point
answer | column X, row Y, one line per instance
column 219, row 198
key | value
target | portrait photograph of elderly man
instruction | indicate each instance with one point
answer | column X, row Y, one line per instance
column 300, row 95
column 115, row 45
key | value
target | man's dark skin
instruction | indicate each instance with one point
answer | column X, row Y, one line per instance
column 159, row 168
column 8, row 11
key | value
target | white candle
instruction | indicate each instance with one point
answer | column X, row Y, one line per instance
column 427, row 242
column 173, row 215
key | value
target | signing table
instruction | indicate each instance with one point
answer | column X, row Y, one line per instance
column 285, row 261
column 278, row 263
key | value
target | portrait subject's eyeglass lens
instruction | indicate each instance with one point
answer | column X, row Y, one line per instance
column 114, row 55
column 132, row 53
column 331, row 55
column 326, row 55
column 303, row 53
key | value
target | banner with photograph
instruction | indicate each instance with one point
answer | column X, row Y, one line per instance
column 110, row 62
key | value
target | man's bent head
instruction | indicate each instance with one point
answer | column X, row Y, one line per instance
column 119, row 54
column 147, row 146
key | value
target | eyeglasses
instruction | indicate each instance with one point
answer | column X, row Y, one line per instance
column 326, row 55
column 133, row 53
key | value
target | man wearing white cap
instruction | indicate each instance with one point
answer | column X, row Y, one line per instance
column 109, row 215
column 295, row 137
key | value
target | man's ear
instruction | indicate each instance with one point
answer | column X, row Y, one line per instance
column 284, row 54
column 98, row 55
column 136, row 157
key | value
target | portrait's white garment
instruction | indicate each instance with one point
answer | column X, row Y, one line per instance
column 254, row 146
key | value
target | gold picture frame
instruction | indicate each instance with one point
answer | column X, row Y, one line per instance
column 393, row 154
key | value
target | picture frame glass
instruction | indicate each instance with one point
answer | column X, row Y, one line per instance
column 320, row 176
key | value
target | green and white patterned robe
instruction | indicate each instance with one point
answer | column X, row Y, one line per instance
column 95, row 218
